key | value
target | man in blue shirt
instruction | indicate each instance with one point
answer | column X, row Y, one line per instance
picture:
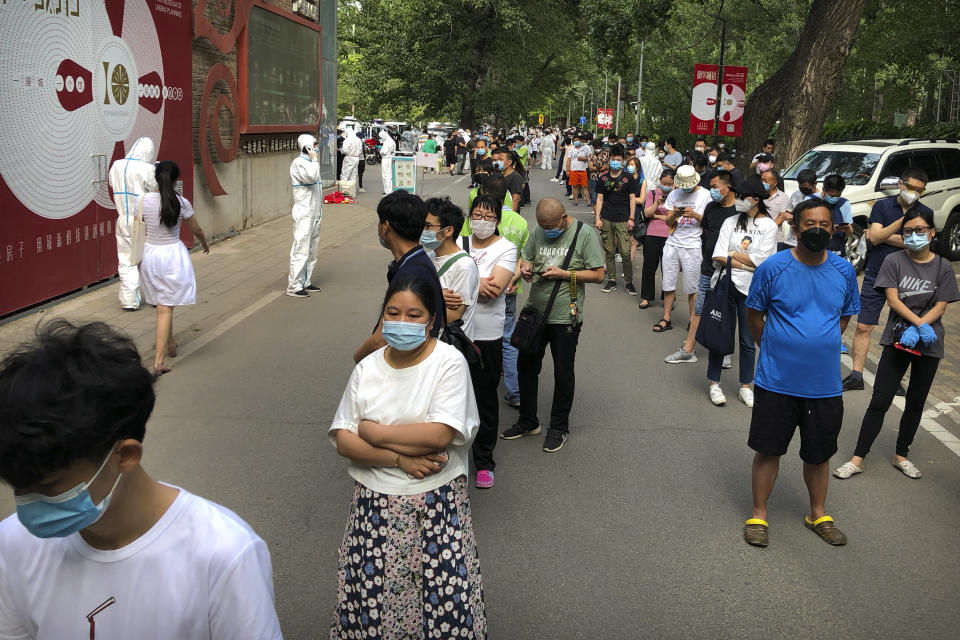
column 402, row 217
column 884, row 234
column 800, row 302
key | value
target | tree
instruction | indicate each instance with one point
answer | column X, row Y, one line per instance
column 802, row 91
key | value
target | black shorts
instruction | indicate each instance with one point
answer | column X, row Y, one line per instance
column 777, row 416
column 871, row 301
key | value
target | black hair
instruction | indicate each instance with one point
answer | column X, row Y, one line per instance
column 776, row 174
column 725, row 177
column 167, row 174
column 723, row 157
column 668, row 172
column 69, row 395
column 701, row 139
column 566, row 140
column 916, row 173
column 405, row 212
column 493, row 186
column 806, row 205
column 419, row 287
column 700, row 163
column 834, row 182
column 808, row 176
column 488, row 202
column 617, row 150
column 518, row 164
column 768, row 141
column 924, row 214
column 672, row 142
column 751, row 188
column 450, row 215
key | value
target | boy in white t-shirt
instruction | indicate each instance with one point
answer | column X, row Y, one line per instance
column 458, row 273
column 681, row 252
column 98, row 548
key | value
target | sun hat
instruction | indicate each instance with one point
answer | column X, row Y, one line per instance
column 686, row 178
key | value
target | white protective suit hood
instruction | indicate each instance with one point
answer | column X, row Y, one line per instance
column 133, row 175
column 306, row 140
column 352, row 146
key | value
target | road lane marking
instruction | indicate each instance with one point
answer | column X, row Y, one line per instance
column 229, row 323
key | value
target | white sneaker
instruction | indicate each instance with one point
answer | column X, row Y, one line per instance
column 569, row 197
column 716, row 395
column 726, row 363
column 680, row 356
column 846, row 470
column 362, row 190
column 909, row 469
column 746, row 396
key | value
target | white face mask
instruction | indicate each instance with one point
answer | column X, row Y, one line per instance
column 713, row 159
column 483, row 229
column 743, row 205
column 908, row 196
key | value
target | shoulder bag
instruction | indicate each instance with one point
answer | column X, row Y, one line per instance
column 138, row 235
column 718, row 320
column 528, row 330
column 453, row 331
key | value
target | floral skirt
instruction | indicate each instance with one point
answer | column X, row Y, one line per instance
column 409, row 567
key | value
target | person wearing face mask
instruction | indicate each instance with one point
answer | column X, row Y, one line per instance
column 833, row 186
column 685, row 207
column 657, row 234
column 886, row 217
column 630, row 143
column 598, row 162
column 806, row 185
column 918, row 286
column 672, row 158
column 635, row 170
column 307, row 215
column 91, row 524
column 496, row 259
column 402, row 216
column 765, row 155
column 352, row 155
column 776, row 200
column 548, row 146
column 408, row 456
column 722, row 206
column 650, row 164
column 725, row 162
column 800, row 302
column 541, row 263
column 387, row 149
column 505, row 163
column 615, row 215
column 700, row 146
column 745, row 241
column 457, row 271
column 578, row 158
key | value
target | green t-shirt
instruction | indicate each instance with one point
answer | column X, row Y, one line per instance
column 543, row 253
column 512, row 226
column 507, row 202
column 429, row 146
column 524, row 154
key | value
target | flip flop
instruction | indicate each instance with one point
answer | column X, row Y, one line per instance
column 755, row 532
column 826, row 529
column 663, row 325
column 643, row 305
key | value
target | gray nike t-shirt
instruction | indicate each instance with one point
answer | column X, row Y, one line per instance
column 917, row 287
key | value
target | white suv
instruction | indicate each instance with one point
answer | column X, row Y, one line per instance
column 871, row 169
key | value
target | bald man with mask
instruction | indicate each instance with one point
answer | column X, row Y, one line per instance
column 541, row 264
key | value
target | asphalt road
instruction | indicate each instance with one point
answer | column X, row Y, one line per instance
column 632, row 530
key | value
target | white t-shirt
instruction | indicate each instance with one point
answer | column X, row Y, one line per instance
column 759, row 241
column 687, row 233
column 438, row 389
column 199, row 573
column 579, row 156
column 464, row 278
column 489, row 317
column 776, row 204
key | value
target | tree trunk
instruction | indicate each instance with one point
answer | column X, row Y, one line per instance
column 800, row 93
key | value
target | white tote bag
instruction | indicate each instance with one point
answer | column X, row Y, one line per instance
column 138, row 235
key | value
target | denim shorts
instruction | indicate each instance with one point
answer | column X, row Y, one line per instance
column 703, row 286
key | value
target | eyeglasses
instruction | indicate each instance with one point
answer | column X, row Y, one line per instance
column 427, row 225
column 915, row 231
column 490, row 217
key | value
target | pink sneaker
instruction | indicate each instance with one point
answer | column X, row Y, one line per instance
column 484, row 479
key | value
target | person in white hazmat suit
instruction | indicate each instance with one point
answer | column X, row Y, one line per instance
column 131, row 177
column 352, row 155
column 650, row 164
column 307, row 198
column 388, row 148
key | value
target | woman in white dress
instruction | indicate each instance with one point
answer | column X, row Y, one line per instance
column 166, row 273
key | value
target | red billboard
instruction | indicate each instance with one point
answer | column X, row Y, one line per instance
column 703, row 102
column 604, row 118
column 81, row 82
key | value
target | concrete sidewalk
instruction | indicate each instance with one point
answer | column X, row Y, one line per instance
column 240, row 274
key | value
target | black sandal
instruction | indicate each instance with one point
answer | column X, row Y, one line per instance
column 644, row 305
column 663, row 325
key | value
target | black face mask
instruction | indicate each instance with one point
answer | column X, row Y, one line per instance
column 806, row 190
column 815, row 239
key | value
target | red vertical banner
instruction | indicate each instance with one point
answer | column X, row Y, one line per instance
column 604, row 118
column 703, row 101
column 733, row 95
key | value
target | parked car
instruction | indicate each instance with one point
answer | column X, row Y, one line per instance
column 871, row 169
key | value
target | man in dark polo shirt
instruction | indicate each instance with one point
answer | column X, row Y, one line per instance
column 884, row 234
column 614, row 217
column 402, row 216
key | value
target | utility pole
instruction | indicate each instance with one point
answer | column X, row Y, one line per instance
column 616, row 126
column 604, row 97
column 568, row 111
column 723, row 43
column 639, row 91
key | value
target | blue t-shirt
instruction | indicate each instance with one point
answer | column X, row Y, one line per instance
column 886, row 211
column 800, row 348
column 675, row 158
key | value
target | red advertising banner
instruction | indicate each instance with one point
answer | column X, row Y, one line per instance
column 733, row 96
column 81, row 82
column 604, row 118
column 703, row 103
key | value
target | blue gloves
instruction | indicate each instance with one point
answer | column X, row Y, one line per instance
column 910, row 337
column 927, row 335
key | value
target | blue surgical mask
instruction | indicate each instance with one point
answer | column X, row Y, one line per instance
column 404, row 336
column 916, row 242
column 831, row 199
column 714, row 193
column 498, row 165
column 553, row 234
column 65, row 514
column 766, row 187
column 481, row 152
column 429, row 239
column 616, row 165
column 629, row 139
column 576, row 143
column 630, row 169
column 688, row 189
column 665, row 188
